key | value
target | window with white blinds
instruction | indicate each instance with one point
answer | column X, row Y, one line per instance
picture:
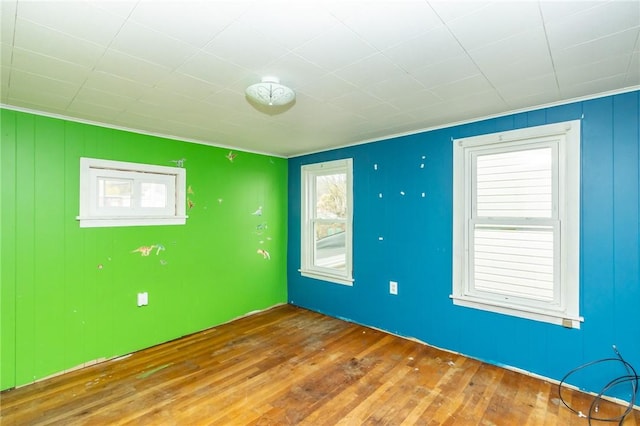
column 513, row 192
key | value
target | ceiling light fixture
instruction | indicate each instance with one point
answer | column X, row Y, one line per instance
column 270, row 92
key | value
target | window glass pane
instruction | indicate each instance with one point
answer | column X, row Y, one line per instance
column 515, row 184
column 330, row 245
column 331, row 196
column 114, row 192
column 153, row 194
column 514, row 261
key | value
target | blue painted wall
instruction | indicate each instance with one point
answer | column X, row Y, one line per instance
column 416, row 246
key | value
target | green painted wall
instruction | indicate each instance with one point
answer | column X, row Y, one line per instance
column 68, row 295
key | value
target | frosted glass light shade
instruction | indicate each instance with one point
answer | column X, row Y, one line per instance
column 270, row 92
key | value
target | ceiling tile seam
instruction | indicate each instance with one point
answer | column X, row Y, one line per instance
column 596, row 80
column 582, row 43
column 333, row 71
column 594, row 6
column 346, row 26
column 104, row 52
column 199, row 48
column 377, row 51
column 55, row 80
column 55, row 58
column 13, row 43
column 413, row 77
column 549, row 50
column 573, row 13
column 380, row 52
column 444, row 23
column 108, row 47
column 204, row 50
column 495, row 89
column 56, row 30
column 461, row 16
column 636, row 48
column 368, row 92
column 121, row 77
column 236, row 63
column 172, row 70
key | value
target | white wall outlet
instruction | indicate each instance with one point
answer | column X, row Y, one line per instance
column 393, row 287
column 143, row 299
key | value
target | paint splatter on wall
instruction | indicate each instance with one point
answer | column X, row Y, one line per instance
column 146, row 250
column 260, row 230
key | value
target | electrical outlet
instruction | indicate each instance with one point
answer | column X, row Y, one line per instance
column 393, row 287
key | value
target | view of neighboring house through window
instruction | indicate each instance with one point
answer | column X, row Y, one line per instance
column 326, row 221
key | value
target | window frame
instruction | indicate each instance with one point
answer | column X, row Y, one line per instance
column 309, row 173
column 92, row 216
column 564, row 138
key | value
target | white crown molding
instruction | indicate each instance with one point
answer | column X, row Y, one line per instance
column 132, row 130
column 477, row 119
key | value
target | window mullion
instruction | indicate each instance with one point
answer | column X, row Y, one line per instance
column 135, row 202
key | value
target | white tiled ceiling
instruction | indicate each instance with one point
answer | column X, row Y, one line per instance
column 362, row 70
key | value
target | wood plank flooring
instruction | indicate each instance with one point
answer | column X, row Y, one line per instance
column 290, row 366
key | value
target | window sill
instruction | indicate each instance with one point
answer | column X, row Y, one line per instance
column 103, row 222
column 326, row 277
column 557, row 318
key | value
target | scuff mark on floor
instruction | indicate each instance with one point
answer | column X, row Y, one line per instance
column 148, row 373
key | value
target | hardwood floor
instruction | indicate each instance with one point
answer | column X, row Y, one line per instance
column 289, row 366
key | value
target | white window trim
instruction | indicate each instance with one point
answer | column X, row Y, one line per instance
column 307, row 267
column 566, row 313
column 92, row 217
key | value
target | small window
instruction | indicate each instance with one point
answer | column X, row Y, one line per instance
column 327, row 221
column 516, row 223
column 115, row 193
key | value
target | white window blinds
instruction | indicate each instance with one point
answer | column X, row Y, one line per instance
column 515, row 261
column 513, row 223
column 514, row 184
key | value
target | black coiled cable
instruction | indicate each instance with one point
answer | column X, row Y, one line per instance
column 631, row 377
